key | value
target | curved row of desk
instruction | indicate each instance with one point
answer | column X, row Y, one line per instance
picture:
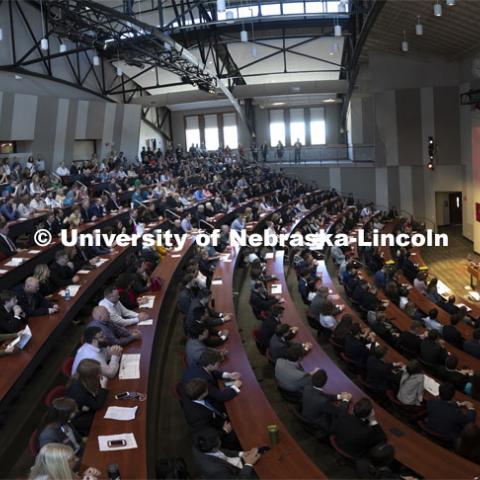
column 413, row 450
column 284, row 461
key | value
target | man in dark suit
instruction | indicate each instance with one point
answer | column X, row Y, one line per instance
column 432, row 350
column 472, row 346
column 207, row 368
column 62, row 271
column 356, row 348
column 52, row 225
column 445, row 416
column 451, row 374
column 200, row 413
column 7, row 246
column 216, row 463
column 12, row 318
column 96, row 209
column 379, row 372
column 410, row 340
column 409, row 268
column 321, row 408
column 32, row 301
column 356, row 434
column 451, row 334
column 449, row 306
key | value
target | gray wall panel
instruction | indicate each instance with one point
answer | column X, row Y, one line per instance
column 393, row 186
column 46, row 120
column 96, row 117
column 447, row 125
column 409, row 126
column 6, row 114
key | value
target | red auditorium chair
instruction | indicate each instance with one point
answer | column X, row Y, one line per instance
column 55, row 392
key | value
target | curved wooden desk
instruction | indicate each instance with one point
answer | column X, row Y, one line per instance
column 250, row 412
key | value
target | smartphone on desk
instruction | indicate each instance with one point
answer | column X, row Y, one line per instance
column 126, row 396
column 116, row 443
column 262, row 450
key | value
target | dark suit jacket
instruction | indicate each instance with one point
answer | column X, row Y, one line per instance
column 199, row 416
column 410, row 342
column 453, row 336
column 472, row 347
column 34, row 304
column 61, row 276
column 216, row 468
column 320, row 407
column 447, row 418
column 356, row 436
column 379, row 373
column 9, row 323
column 356, row 350
column 216, row 395
column 459, row 380
column 432, row 352
column 5, row 248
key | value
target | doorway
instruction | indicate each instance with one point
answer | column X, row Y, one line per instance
column 448, row 208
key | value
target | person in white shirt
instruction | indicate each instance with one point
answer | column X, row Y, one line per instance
column 366, row 211
column 186, row 223
column 118, row 313
column 38, row 203
column 327, row 320
column 62, row 170
column 51, row 201
column 108, row 358
column 420, row 283
column 24, row 209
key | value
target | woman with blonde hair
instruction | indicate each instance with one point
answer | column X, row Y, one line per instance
column 42, row 273
column 56, row 461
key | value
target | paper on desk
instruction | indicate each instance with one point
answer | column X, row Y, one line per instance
column 129, row 438
column 73, row 289
column 430, row 385
column 101, row 261
column 3, row 271
column 177, row 255
column 217, row 282
column 149, row 303
column 129, row 366
column 83, row 272
column 145, row 322
column 442, row 289
column 276, row 289
column 34, row 252
column 121, row 413
column 269, row 256
column 460, row 305
column 13, row 262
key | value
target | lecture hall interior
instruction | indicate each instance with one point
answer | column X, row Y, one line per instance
column 216, row 254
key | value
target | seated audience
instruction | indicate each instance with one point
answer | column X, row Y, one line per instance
column 32, row 302
column 289, row 372
column 411, row 387
column 118, row 313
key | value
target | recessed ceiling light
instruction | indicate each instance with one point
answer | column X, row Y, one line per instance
column 329, row 100
column 277, row 104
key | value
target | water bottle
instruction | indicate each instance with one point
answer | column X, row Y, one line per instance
column 113, row 472
column 67, row 294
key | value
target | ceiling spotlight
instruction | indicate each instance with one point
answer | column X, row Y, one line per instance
column 1, row 34
column 63, row 48
column 451, row 3
column 342, row 8
column 96, row 60
column 230, row 15
column 119, row 72
column 221, row 6
column 437, row 9
column 338, row 30
column 419, row 27
column 404, row 42
column 44, row 43
column 254, row 51
column 244, row 36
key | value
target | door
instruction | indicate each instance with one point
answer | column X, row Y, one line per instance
column 455, row 208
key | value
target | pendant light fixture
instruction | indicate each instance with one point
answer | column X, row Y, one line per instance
column 63, row 48
column 44, row 40
column 437, row 9
column 96, row 60
column 404, row 42
column 419, row 27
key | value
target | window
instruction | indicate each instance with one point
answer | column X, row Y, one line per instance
column 297, row 126
column 230, row 133
column 292, row 8
column 192, row 132
column 317, row 126
column 245, row 12
column 272, row 9
column 211, row 132
column 313, row 7
column 277, row 127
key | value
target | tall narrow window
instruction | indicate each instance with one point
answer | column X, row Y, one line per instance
column 192, row 132
column 317, row 126
column 211, row 132
column 297, row 126
column 230, row 132
column 277, row 127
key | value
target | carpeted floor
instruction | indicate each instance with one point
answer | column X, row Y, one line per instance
column 450, row 263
